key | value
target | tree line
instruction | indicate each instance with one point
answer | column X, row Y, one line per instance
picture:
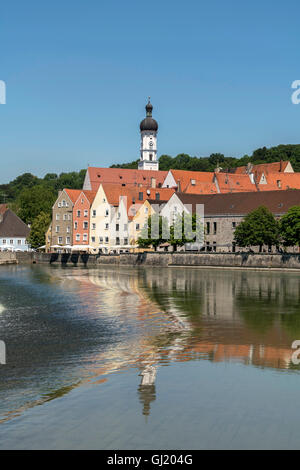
column 184, row 161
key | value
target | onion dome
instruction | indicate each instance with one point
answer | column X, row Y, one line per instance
column 149, row 124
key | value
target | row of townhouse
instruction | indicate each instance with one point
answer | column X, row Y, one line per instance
column 110, row 218
column 111, row 209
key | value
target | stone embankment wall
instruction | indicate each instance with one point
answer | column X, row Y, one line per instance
column 7, row 257
column 225, row 260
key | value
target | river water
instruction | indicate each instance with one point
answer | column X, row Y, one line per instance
column 148, row 358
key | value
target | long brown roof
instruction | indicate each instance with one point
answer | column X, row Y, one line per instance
column 13, row 226
column 278, row 202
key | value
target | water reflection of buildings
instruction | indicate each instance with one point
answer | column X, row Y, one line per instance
column 192, row 314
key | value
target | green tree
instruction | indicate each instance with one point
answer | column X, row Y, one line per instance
column 38, row 229
column 289, row 227
column 257, row 229
column 187, row 228
column 155, row 232
column 33, row 201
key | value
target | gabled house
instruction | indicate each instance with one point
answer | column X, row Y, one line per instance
column 13, row 231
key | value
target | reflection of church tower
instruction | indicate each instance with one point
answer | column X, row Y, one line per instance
column 148, row 127
column 147, row 388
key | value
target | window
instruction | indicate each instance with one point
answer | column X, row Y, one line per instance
column 117, row 241
column 78, row 213
column 75, row 225
column 93, row 226
column 69, row 216
column 94, row 213
column 57, row 216
column 141, row 195
column 100, row 239
column 85, row 237
column 125, row 227
column 117, row 227
column 20, row 242
column 214, row 246
column 137, row 226
column 193, row 182
column 65, row 216
column 4, row 241
column 59, row 204
column 82, row 201
column 233, row 224
column 106, row 226
column 146, row 210
column 93, row 239
column 77, row 237
column 63, row 203
column 68, row 229
column 119, row 215
column 157, row 196
column 150, row 156
column 60, row 240
column 57, row 228
column 125, row 241
column 106, row 239
column 215, row 228
column 68, row 240
column 208, row 228
column 106, row 213
column 85, row 225
column 11, row 242
column 86, row 213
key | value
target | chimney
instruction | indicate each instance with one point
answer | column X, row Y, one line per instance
column 218, row 169
column 281, row 166
column 178, row 186
column 249, row 168
column 153, row 182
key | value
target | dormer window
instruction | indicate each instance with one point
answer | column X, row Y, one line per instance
column 193, row 182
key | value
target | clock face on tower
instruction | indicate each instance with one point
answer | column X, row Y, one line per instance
column 150, row 143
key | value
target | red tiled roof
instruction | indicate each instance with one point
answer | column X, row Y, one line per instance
column 234, row 183
column 281, row 181
column 115, row 191
column 126, row 176
column 90, row 195
column 73, row 194
column 185, row 177
column 264, row 168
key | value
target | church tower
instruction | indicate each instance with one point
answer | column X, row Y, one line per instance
column 148, row 127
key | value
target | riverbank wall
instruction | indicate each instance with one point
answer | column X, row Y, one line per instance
column 7, row 257
column 214, row 260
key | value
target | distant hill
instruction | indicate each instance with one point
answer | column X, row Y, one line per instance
column 262, row 155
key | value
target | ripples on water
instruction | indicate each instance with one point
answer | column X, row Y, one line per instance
column 68, row 327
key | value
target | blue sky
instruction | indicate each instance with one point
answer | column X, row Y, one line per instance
column 78, row 75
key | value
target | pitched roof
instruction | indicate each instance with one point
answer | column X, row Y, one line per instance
column 230, row 183
column 265, row 168
column 277, row 202
column 185, row 177
column 90, row 195
column 73, row 194
column 129, row 177
column 139, row 195
column 281, row 181
column 13, row 226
